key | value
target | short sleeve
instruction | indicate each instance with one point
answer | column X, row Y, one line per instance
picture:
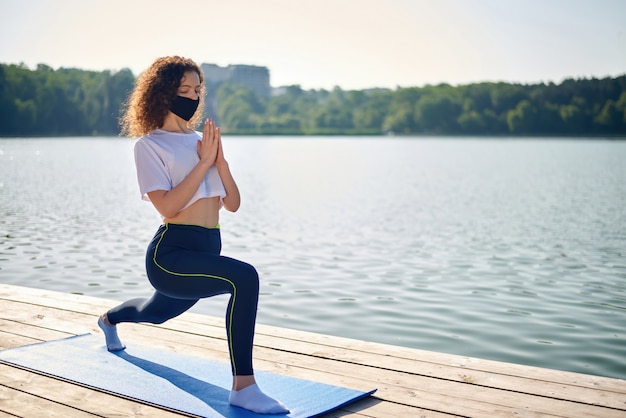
column 152, row 174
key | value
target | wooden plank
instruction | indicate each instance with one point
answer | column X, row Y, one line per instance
column 424, row 382
column 347, row 349
column 43, row 316
column 307, row 368
column 375, row 408
column 48, row 391
column 19, row 404
column 395, row 386
column 25, row 330
column 539, row 387
column 48, row 319
column 455, row 405
column 350, row 369
column 8, row 340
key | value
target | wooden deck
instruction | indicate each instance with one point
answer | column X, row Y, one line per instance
column 411, row 383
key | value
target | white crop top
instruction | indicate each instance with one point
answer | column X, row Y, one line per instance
column 163, row 160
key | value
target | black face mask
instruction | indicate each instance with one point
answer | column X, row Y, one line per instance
column 184, row 107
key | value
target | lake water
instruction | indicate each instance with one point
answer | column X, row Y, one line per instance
column 504, row 249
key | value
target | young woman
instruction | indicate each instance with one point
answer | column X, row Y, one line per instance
column 187, row 179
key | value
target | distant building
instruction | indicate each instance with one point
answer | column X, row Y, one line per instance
column 214, row 74
column 255, row 77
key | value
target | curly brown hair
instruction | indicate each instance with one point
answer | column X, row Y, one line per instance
column 155, row 89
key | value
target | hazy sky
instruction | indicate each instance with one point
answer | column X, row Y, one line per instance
column 353, row 44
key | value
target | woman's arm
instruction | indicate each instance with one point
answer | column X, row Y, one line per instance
column 170, row 202
column 232, row 201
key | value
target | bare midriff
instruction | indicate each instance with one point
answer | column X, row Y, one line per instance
column 204, row 212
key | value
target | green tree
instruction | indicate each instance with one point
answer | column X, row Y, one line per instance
column 239, row 108
column 573, row 118
column 370, row 115
column 335, row 114
column 472, row 122
column 611, row 118
column 71, row 101
column 522, row 119
column 400, row 119
column 437, row 114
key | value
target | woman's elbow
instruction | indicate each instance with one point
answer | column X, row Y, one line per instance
column 163, row 205
column 167, row 213
column 231, row 205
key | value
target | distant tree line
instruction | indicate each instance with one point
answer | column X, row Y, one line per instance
column 575, row 107
column 51, row 102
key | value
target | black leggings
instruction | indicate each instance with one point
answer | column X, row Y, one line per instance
column 184, row 264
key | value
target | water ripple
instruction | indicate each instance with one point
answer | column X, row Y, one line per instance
column 507, row 250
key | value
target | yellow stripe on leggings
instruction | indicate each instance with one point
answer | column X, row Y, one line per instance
column 230, row 314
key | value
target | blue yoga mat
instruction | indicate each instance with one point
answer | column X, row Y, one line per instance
column 176, row 381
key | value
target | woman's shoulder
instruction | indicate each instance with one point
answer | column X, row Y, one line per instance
column 152, row 140
column 161, row 141
column 163, row 135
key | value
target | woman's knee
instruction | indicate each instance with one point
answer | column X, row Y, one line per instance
column 252, row 277
column 155, row 319
column 248, row 277
column 161, row 308
column 159, row 316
